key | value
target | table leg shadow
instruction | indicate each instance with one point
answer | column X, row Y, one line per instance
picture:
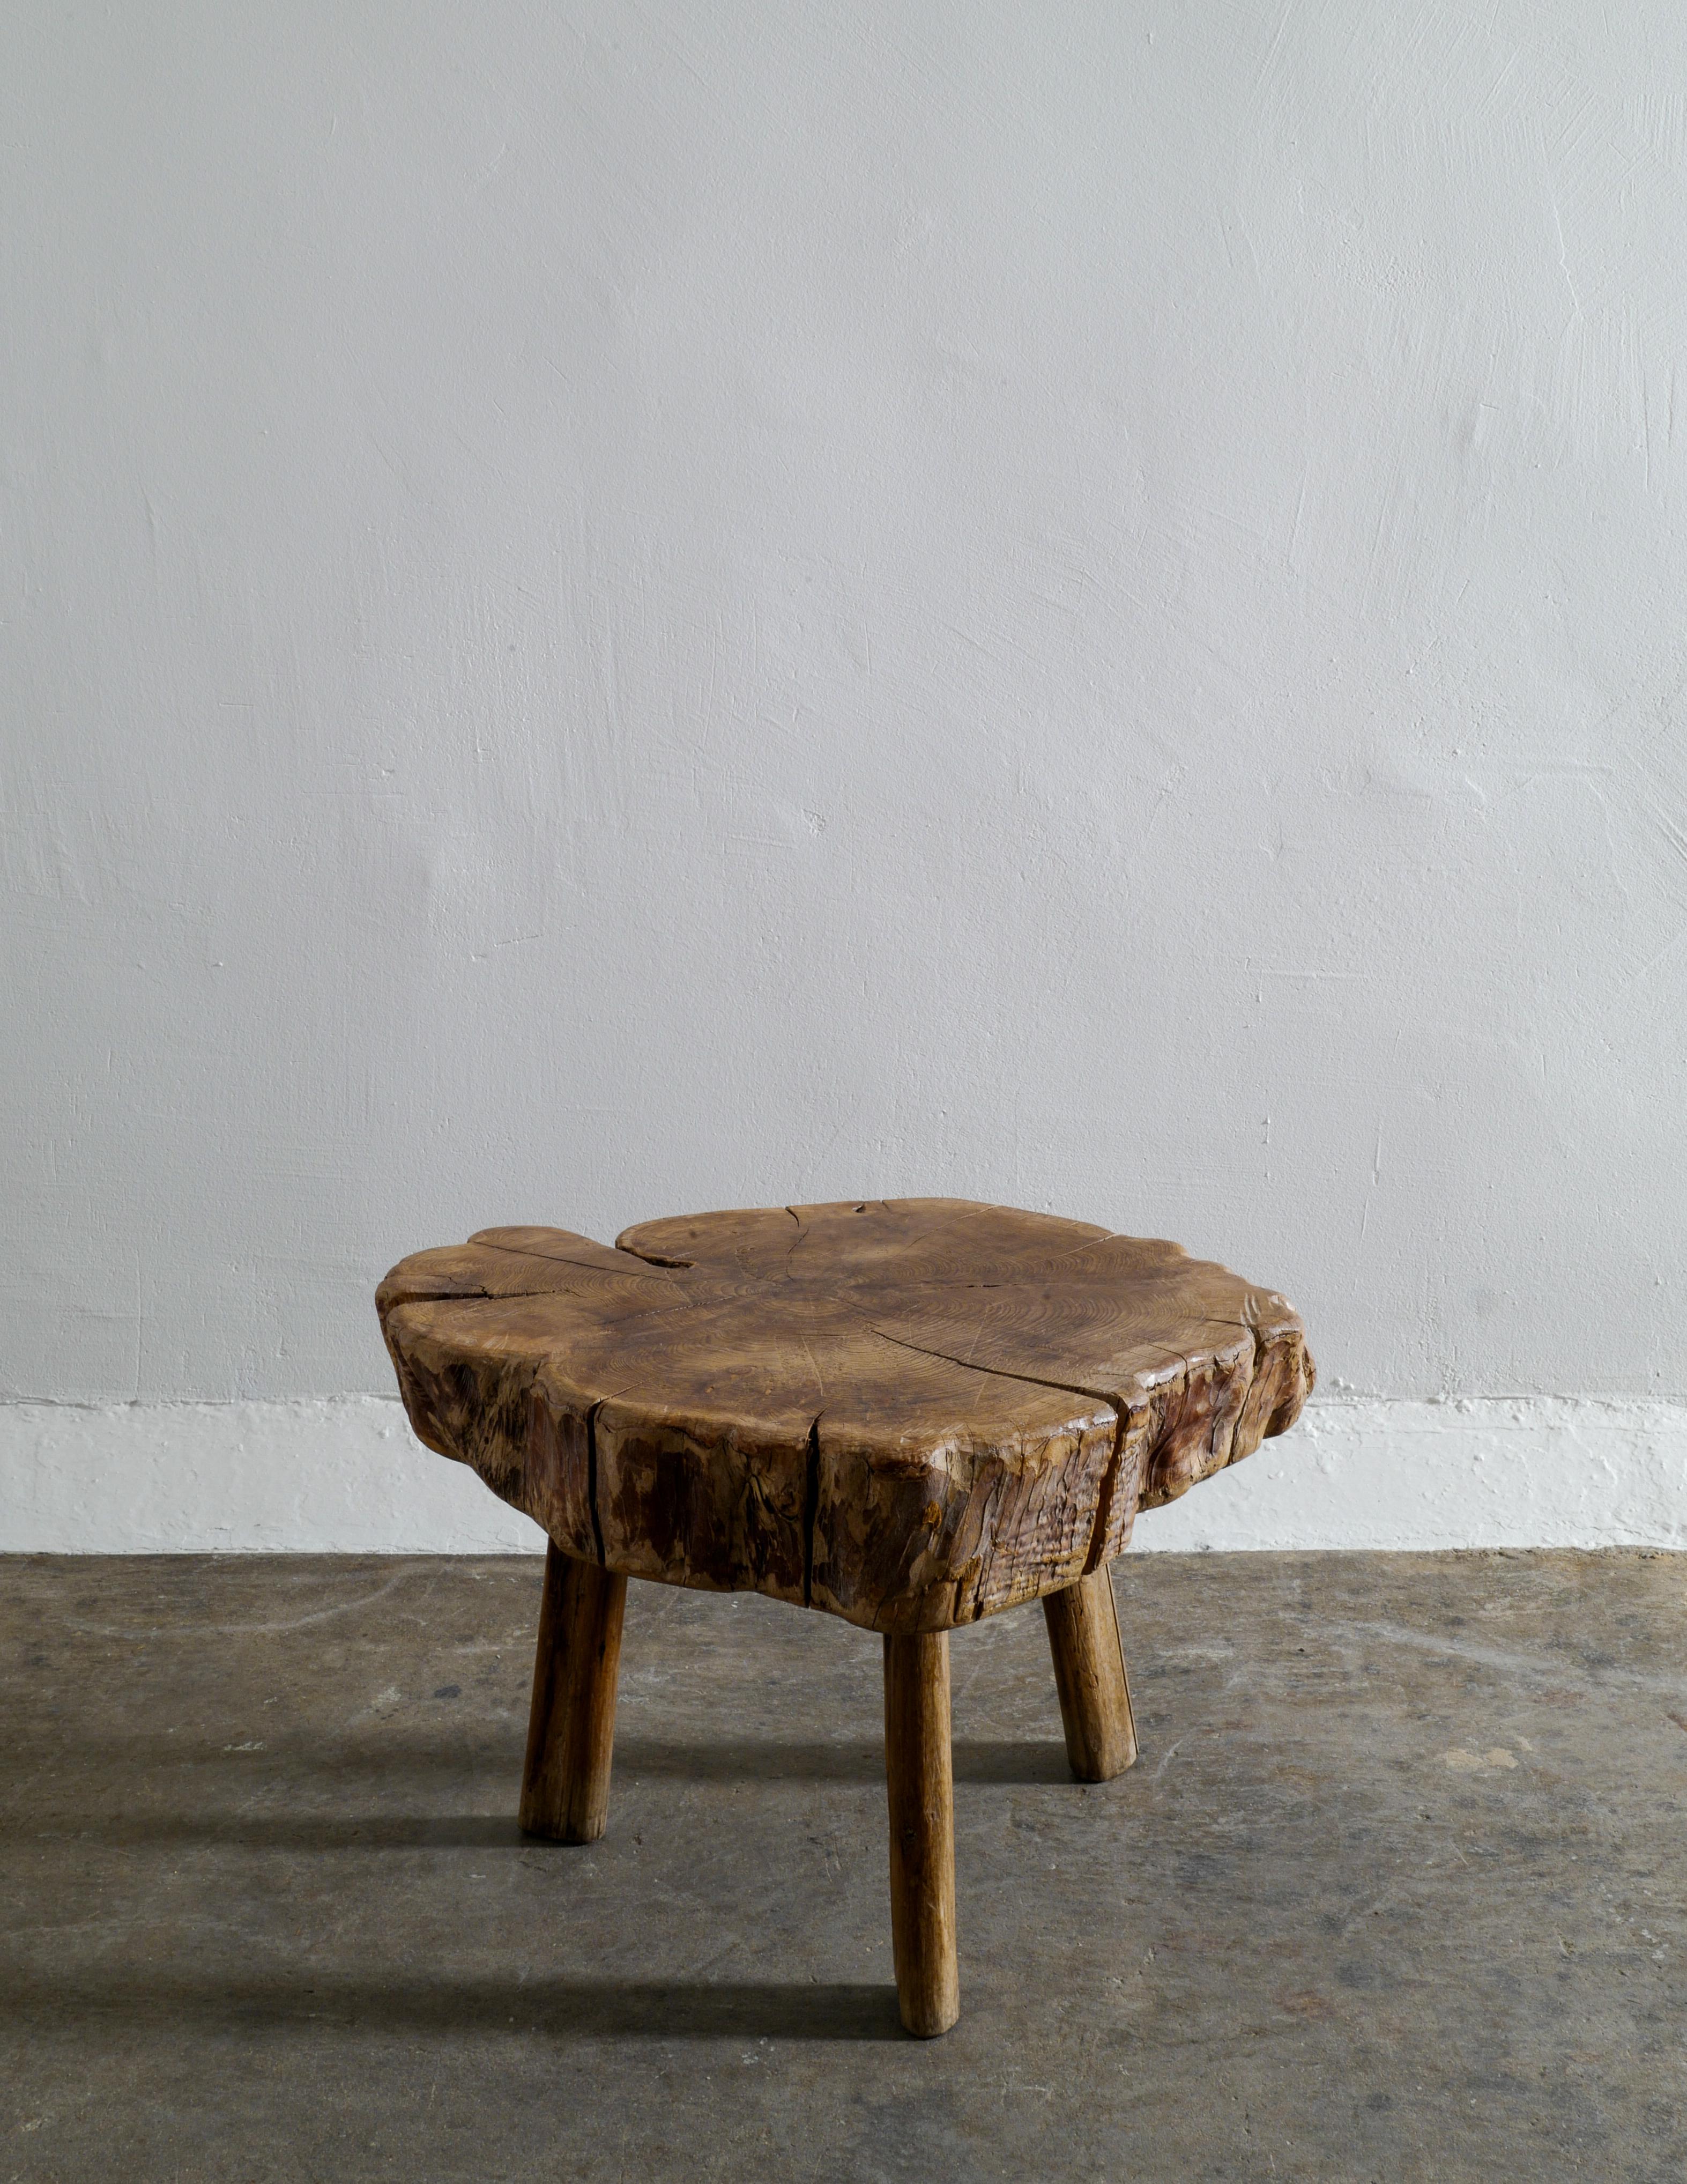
column 570, row 1741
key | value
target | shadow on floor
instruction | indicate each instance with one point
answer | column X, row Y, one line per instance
column 985, row 1764
column 394, row 1755
column 656, row 2009
column 975, row 1762
column 303, row 1832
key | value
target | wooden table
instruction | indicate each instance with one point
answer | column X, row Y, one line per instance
column 909, row 1413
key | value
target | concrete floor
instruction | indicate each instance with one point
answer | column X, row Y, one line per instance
column 1398, row 1889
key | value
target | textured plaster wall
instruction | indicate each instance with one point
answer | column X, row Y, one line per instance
column 344, row 1474
column 608, row 609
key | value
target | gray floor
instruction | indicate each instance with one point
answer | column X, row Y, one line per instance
column 1396, row 1889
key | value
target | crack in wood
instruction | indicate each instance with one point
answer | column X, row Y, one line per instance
column 592, row 1481
column 811, row 1509
column 997, row 1372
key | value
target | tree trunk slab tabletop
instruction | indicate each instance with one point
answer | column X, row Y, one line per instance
column 909, row 1413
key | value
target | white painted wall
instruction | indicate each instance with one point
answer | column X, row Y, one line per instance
column 345, row 1475
column 615, row 609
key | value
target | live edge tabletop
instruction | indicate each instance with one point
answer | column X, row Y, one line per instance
column 909, row 1413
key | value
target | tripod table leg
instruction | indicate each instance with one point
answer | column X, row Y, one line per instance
column 920, row 1777
column 571, row 1731
column 1089, row 1674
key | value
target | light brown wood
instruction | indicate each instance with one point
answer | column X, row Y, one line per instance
column 1090, row 1677
column 909, row 1413
column 919, row 1774
column 572, row 1726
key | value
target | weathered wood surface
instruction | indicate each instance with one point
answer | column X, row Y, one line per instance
column 909, row 1413
column 919, row 1771
column 1090, row 1675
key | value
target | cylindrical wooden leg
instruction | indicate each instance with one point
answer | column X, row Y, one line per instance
column 571, row 1731
column 921, row 1776
column 1089, row 1674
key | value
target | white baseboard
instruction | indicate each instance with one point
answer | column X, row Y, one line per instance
column 1541, row 1471
column 340, row 1474
column 345, row 1475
